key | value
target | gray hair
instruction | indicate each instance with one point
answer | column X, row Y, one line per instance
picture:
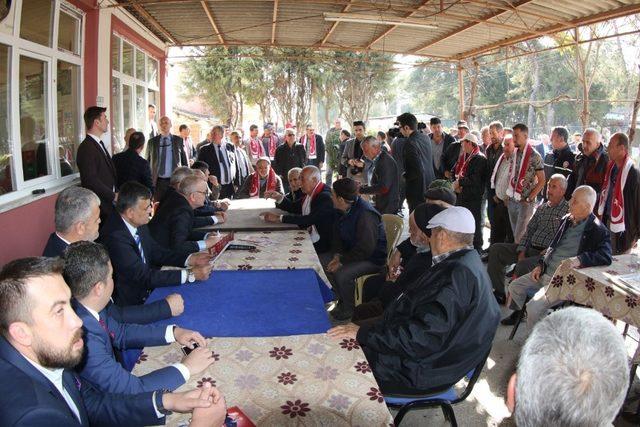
column 593, row 131
column 180, row 173
column 74, row 204
column 586, row 194
column 372, row 141
column 462, row 239
column 294, row 170
column 562, row 180
column 315, row 172
column 190, row 184
column 573, row 371
column 263, row 159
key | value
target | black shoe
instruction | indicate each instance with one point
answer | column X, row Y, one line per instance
column 340, row 312
column 512, row 319
column 500, row 298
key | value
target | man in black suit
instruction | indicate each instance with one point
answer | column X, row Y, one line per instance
column 314, row 212
column 136, row 257
column 313, row 146
column 288, row 156
column 131, row 166
column 165, row 153
column 383, row 179
column 173, row 224
column 42, row 341
column 220, row 157
column 418, row 162
column 97, row 172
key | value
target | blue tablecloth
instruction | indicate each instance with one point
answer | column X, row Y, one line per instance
column 253, row 303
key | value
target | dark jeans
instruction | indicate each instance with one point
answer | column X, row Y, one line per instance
column 162, row 184
column 502, row 255
column 475, row 206
column 491, row 204
column 501, row 227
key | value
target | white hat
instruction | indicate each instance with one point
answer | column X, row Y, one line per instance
column 455, row 218
column 471, row 138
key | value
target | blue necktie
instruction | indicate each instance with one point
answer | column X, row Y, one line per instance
column 139, row 243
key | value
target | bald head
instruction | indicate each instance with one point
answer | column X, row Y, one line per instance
column 165, row 125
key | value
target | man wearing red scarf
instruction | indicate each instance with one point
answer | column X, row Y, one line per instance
column 619, row 203
column 314, row 146
column 270, row 141
column 255, row 149
column 263, row 180
column 470, row 172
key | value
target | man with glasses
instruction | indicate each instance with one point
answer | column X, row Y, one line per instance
column 165, row 152
column 136, row 256
column 288, row 156
column 221, row 158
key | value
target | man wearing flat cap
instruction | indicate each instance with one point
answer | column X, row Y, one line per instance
column 442, row 325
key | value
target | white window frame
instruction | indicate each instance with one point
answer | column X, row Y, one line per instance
column 51, row 55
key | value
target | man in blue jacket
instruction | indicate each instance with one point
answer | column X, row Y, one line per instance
column 88, row 273
column 42, row 341
column 581, row 238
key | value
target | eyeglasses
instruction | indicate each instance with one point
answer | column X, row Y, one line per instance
column 204, row 193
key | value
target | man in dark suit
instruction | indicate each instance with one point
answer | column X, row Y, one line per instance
column 77, row 216
column 220, row 157
column 288, row 156
column 88, row 273
column 173, row 224
column 165, row 152
column 314, row 212
column 97, row 172
column 314, row 147
column 135, row 255
column 418, row 164
column 383, row 182
column 42, row 341
column 131, row 166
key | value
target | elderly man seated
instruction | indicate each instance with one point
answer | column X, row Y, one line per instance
column 295, row 187
column 573, row 371
column 442, row 325
column 540, row 231
column 359, row 245
column 263, row 180
column 581, row 238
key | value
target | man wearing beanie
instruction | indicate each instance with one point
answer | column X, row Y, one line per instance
column 442, row 325
column 359, row 245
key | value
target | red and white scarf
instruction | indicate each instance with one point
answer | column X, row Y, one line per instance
column 311, row 148
column 272, row 183
column 617, row 201
column 256, row 149
column 495, row 171
column 463, row 162
column 516, row 183
column 306, row 210
column 273, row 144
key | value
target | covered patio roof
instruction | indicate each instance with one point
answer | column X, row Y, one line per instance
column 444, row 29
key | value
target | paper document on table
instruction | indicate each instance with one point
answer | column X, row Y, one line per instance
column 630, row 282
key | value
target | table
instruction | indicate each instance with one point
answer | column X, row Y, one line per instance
column 280, row 250
column 308, row 380
column 243, row 215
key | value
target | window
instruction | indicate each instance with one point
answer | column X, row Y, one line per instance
column 37, row 21
column 7, row 181
column 69, row 129
column 68, row 31
column 127, row 59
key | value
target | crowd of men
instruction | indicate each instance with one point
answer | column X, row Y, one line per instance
column 430, row 307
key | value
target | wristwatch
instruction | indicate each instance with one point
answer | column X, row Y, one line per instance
column 191, row 277
column 158, row 399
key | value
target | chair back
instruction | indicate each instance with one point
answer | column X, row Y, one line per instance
column 393, row 226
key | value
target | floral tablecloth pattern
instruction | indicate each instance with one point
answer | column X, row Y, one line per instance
column 308, row 380
column 275, row 250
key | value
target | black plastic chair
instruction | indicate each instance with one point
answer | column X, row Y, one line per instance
column 445, row 399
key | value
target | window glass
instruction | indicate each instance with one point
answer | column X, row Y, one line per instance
column 152, row 72
column 117, row 136
column 69, row 134
column 33, row 117
column 36, row 21
column 7, row 182
column 127, row 107
column 68, row 33
column 127, row 58
column 140, row 74
column 141, row 108
column 115, row 53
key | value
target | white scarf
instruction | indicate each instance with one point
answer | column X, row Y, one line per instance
column 310, row 148
column 495, row 171
column 306, row 210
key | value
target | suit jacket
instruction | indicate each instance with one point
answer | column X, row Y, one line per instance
column 447, row 140
column 384, row 185
column 288, row 158
column 418, row 165
column 172, row 225
column 30, row 399
column 97, row 173
column 320, row 151
column 133, row 278
column 99, row 365
column 244, row 169
column 153, row 154
column 209, row 154
column 322, row 215
column 130, row 166
column 474, row 182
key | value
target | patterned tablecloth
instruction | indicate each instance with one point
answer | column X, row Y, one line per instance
column 308, row 380
column 244, row 215
column 275, row 250
column 592, row 288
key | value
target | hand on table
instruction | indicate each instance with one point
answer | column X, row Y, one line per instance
column 212, row 239
column 214, row 415
column 222, row 217
column 270, row 217
column 222, row 204
column 213, row 180
column 535, row 274
column 198, row 360
column 198, row 259
column 271, row 194
column 176, row 304
column 202, row 272
column 186, row 401
column 575, row 262
column 349, row 331
column 186, row 337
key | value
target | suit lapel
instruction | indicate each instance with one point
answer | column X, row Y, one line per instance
column 73, row 386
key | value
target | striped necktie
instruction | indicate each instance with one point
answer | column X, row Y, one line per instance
column 139, row 243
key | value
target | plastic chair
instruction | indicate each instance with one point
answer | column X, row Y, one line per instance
column 445, row 400
column 393, row 226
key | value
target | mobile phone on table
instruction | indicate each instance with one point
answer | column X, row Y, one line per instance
column 186, row 350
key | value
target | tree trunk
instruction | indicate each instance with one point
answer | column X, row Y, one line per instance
column 535, row 83
column 634, row 116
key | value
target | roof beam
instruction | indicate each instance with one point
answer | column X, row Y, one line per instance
column 334, row 26
column 275, row 19
column 213, row 22
column 468, row 26
column 154, row 23
column 393, row 27
column 512, row 8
